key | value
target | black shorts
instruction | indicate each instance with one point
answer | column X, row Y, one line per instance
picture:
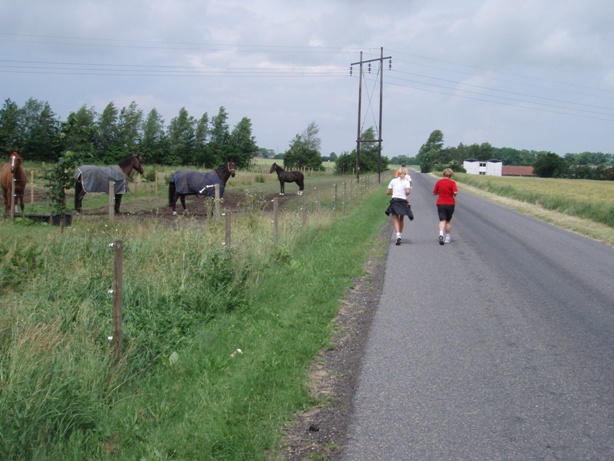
column 445, row 212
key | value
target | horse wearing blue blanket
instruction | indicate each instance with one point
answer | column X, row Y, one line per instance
column 188, row 182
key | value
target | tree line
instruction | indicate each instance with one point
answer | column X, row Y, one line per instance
column 109, row 136
column 434, row 156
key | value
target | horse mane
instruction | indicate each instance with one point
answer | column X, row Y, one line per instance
column 125, row 162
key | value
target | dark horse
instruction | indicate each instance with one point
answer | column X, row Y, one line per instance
column 187, row 182
column 288, row 176
column 13, row 173
column 91, row 178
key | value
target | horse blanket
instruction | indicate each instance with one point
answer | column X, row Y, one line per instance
column 189, row 182
column 96, row 178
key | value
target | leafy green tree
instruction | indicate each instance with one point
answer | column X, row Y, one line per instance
column 10, row 126
column 304, row 150
column 219, row 141
column 369, row 156
column 589, row 158
column 154, row 145
column 107, row 149
column 201, row 139
column 181, row 134
column 129, row 130
column 79, row 133
column 266, row 153
column 242, row 144
column 429, row 152
column 399, row 159
column 550, row 165
column 60, row 178
column 41, row 130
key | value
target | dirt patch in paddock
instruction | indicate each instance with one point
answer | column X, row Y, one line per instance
column 152, row 207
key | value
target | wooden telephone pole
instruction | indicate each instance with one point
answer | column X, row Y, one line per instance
column 379, row 131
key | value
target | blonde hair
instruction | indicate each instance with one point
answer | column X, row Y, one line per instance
column 448, row 173
column 401, row 171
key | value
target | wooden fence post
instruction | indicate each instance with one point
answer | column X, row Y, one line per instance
column 31, row 186
column 118, row 268
column 216, row 202
column 344, row 195
column 156, row 184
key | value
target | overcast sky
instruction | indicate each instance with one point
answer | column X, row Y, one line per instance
column 527, row 74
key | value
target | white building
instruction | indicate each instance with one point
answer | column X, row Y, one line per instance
column 492, row 167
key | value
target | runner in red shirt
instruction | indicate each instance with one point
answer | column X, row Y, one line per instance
column 446, row 191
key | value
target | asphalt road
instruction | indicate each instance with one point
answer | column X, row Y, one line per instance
column 498, row 346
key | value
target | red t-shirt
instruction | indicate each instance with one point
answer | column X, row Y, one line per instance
column 445, row 188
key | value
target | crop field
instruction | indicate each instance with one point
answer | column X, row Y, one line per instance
column 593, row 200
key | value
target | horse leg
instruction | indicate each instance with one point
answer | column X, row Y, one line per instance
column 282, row 187
column 5, row 196
column 118, row 202
column 301, row 187
column 21, row 205
column 79, row 194
column 182, row 199
column 172, row 196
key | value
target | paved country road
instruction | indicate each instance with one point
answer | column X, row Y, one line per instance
column 498, row 346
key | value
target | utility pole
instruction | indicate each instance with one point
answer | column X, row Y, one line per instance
column 379, row 131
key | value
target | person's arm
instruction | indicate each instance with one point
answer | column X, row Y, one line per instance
column 389, row 191
column 407, row 190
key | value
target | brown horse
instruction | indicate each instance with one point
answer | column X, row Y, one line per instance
column 13, row 178
column 288, row 176
column 91, row 178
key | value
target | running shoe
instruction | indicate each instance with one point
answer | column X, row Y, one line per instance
column 447, row 240
column 398, row 241
column 441, row 239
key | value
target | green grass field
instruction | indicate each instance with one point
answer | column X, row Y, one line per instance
column 182, row 390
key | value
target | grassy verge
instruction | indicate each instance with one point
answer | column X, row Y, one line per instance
column 182, row 390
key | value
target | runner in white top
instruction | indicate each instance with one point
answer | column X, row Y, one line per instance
column 399, row 188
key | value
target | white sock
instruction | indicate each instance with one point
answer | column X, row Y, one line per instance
column 398, row 235
column 441, row 233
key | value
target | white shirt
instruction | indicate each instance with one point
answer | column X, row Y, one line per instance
column 399, row 186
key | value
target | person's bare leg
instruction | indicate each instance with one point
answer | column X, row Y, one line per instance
column 442, row 225
column 448, row 232
column 398, row 226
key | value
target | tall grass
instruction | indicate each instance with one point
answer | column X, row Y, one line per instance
column 181, row 390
